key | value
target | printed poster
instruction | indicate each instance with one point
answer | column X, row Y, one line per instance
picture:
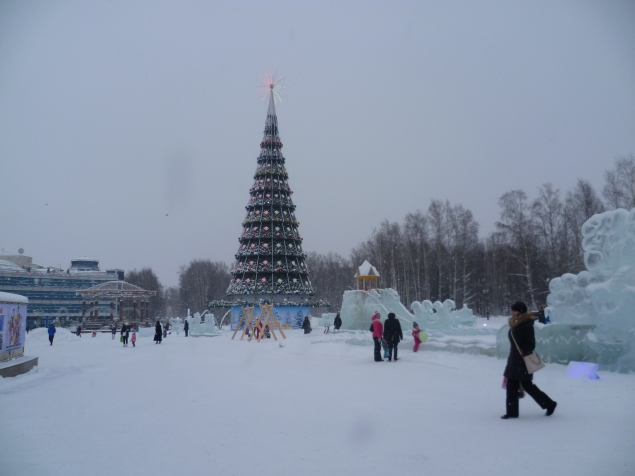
column 12, row 326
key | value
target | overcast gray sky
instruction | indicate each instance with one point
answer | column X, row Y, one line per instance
column 114, row 114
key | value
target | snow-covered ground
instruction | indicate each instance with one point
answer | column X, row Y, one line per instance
column 314, row 405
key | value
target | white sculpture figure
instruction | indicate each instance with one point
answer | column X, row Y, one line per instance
column 604, row 295
column 465, row 316
column 196, row 324
column 176, row 324
column 444, row 309
column 198, row 327
column 209, row 326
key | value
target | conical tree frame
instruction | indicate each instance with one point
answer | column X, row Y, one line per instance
column 270, row 259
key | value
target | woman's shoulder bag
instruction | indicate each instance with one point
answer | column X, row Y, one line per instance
column 533, row 362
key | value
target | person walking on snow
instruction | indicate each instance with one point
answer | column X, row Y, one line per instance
column 186, row 327
column 52, row 331
column 415, row 333
column 377, row 329
column 392, row 334
column 306, row 325
column 521, row 330
column 133, row 339
column 337, row 322
column 113, row 329
column 157, row 333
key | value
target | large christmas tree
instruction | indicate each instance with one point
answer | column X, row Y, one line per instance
column 270, row 260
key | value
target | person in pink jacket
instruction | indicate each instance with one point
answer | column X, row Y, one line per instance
column 134, row 338
column 377, row 329
column 415, row 333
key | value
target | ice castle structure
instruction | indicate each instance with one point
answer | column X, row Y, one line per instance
column 359, row 306
column 599, row 304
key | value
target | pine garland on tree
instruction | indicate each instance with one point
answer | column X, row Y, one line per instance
column 270, row 259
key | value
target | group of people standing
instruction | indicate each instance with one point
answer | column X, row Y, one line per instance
column 125, row 335
column 389, row 331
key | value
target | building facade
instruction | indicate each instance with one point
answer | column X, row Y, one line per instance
column 52, row 293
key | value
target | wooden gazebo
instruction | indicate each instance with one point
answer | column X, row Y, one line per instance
column 367, row 277
column 117, row 290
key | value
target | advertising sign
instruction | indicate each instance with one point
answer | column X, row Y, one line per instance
column 12, row 326
column 286, row 315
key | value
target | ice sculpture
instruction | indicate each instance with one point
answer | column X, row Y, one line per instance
column 442, row 316
column 328, row 318
column 198, row 327
column 603, row 297
column 359, row 306
column 176, row 325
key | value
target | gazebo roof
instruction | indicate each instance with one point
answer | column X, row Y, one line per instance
column 366, row 270
column 115, row 289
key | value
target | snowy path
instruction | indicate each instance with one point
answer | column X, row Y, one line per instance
column 315, row 406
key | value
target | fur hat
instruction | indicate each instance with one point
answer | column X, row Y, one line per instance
column 520, row 307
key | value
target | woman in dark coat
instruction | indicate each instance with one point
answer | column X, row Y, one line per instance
column 158, row 333
column 392, row 334
column 337, row 322
column 521, row 329
column 125, row 332
column 306, row 325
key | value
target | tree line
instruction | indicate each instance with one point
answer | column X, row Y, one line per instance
column 438, row 254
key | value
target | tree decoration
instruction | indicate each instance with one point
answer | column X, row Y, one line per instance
column 270, row 201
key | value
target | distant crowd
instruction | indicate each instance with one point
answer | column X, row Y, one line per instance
column 522, row 362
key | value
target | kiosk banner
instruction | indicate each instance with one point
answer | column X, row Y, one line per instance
column 12, row 326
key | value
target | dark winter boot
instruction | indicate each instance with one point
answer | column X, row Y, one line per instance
column 507, row 417
column 551, row 409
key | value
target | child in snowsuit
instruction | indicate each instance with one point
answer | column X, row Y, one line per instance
column 415, row 334
column 133, row 339
column 384, row 345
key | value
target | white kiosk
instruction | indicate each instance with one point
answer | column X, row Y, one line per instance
column 13, row 335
